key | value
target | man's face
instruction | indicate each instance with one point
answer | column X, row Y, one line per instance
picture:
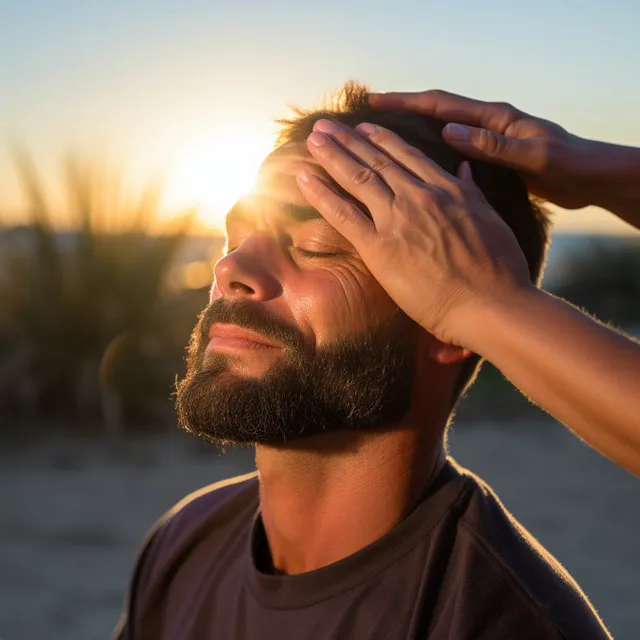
column 298, row 338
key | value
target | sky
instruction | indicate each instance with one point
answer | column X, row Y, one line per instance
column 187, row 91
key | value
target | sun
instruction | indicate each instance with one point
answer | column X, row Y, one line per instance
column 214, row 171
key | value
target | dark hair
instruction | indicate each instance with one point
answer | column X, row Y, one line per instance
column 503, row 188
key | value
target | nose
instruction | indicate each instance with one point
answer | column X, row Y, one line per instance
column 249, row 272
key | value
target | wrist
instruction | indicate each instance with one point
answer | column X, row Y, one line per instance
column 479, row 327
column 608, row 174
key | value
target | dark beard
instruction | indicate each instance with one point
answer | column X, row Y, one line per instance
column 357, row 383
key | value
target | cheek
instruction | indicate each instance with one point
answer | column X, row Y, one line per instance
column 341, row 301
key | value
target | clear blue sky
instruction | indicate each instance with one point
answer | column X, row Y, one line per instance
column 135, row 78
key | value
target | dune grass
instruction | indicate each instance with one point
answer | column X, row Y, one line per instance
column 89, row 331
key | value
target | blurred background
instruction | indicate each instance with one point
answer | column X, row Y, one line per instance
column 128, row 129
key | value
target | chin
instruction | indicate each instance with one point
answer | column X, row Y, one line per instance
column 354, row 384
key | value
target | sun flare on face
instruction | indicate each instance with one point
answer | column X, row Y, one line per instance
column 213, row 172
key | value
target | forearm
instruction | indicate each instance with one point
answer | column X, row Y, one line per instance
column 610, row 175
column 584, row 374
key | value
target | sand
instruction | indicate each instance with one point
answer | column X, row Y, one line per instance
column 73, row 517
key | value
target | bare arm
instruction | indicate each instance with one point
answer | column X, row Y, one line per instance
column 556, row 165
column 613, row 179
column 583, row 373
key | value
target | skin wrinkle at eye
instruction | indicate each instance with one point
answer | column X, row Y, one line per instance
column 351, row 289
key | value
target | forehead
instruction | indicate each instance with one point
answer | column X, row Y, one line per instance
column 277, row 175
column 276, row 188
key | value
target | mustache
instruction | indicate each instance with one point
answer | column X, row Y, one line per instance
column 249, row 315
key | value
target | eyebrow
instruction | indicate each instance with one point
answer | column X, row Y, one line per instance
column 301, row 213
column 295, row 212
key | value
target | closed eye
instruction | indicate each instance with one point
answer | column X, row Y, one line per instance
column 305, row 253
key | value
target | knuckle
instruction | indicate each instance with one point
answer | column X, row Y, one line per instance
column 435, row 93
column 506, row 107
column 506, row 114
column 428, row 198
column 380, row 163
column 490, row 143
column 364, row 176
column 339, row 212
column 342, row 212
column 413, row 153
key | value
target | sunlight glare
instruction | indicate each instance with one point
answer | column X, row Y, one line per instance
column 213, row 172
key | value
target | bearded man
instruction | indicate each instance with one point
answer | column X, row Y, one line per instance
column 356, row 523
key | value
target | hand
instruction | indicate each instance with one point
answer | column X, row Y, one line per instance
column 552, row 162
column 432, row 242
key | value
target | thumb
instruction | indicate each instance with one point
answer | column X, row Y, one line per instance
column 489, row 146
column 466, row 176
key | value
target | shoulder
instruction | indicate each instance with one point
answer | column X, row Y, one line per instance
column 517, row 569
column 218, row 501
column 207, row 509
column 210, row 509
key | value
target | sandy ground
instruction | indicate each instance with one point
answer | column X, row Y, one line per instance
column 72, row 519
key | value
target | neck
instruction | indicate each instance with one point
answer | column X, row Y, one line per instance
column 327, row 496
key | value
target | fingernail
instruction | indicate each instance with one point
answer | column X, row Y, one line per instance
column 366, row 129
column 317, row 139
column 456, row 132
column 326, row 126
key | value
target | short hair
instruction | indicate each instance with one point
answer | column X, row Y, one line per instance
column 503, row 188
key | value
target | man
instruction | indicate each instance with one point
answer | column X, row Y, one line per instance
column 356, row 524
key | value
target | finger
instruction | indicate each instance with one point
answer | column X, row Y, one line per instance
column 343, row 216
column 449, row 107
column 394, row 176
column 522, row 155
column 404, row 154
column 466, row 177
column 464, row 173
column 354, row 177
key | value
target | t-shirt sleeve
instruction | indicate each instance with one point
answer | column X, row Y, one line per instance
column 139, row 584
column 489, row 598
column 165, row 542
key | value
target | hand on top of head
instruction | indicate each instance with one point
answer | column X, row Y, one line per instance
column 548, row 158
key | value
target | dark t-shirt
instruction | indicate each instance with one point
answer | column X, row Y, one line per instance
column 458, row 567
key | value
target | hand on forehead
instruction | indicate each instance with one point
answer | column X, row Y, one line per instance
column 277, row 175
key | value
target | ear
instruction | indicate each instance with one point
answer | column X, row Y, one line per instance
column 443, row 353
